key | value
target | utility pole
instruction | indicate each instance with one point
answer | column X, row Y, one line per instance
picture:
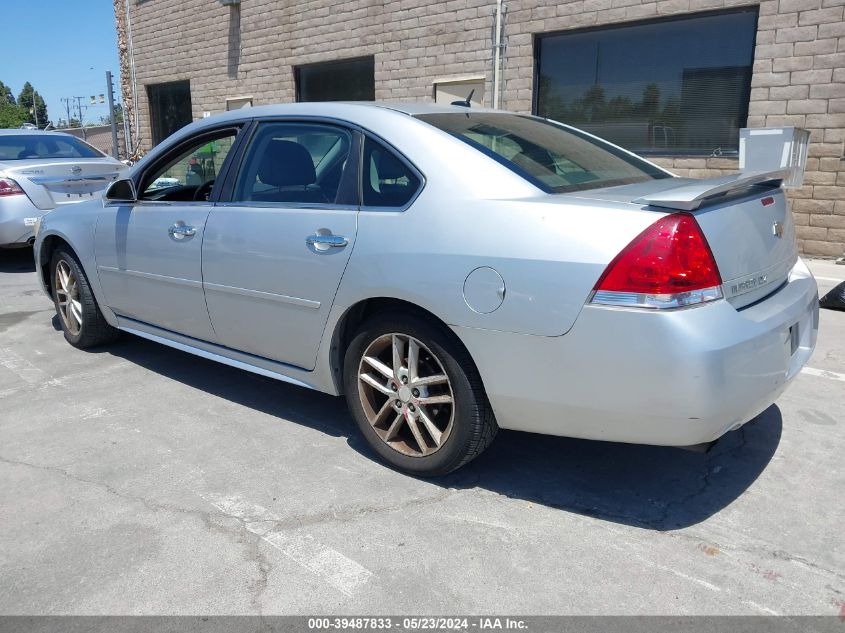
column 79, row 107
column 110, row 92
column 35, row 106
column 66, row 101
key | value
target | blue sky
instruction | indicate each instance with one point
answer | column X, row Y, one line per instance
column 63, row 48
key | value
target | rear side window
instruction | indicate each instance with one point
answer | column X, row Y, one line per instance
column 387, row 180
column 550, row 156
column 294, row 162
column 35, row 146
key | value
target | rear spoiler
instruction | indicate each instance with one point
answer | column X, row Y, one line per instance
column 690, row 196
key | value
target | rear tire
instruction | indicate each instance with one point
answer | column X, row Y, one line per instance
column 79, row 315
column 416, row 395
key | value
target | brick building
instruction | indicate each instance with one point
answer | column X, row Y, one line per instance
column 670, row 79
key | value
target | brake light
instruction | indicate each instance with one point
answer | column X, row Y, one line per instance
column 669, row 265
column 9, row 187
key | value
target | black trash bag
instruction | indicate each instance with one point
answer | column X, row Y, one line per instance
column 835, row 299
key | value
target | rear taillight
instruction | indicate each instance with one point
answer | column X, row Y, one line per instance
column 9, row 187
column 669, row 265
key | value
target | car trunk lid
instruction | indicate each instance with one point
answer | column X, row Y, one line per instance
column 54, row 183
column 744, row 218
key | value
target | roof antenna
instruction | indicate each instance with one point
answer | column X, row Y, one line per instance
column 465, row 102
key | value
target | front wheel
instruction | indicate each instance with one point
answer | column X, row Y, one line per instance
column 82, row 322
column 416, row 395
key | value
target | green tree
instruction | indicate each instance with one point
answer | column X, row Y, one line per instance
column 6, row 95
column 118, row 115
column 31, row 102
column 11, row 116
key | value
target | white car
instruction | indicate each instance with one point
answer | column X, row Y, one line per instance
column 40, row 171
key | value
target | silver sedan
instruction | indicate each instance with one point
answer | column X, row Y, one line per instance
column 451, row 271
column 42, row 170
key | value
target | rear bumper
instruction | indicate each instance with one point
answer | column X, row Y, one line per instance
column 17, row 213
column 671, row 378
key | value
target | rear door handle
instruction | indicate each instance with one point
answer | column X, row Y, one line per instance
column 325, row 242
column 179, row 231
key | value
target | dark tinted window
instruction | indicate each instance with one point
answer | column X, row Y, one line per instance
column 293, row 162
column 344, row 80
column 170, row 108
column 672, row 86
column 34, row 146
column 387, row 180
column 550, row 156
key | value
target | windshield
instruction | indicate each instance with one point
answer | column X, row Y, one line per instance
column 552, row 157
column 35, row 146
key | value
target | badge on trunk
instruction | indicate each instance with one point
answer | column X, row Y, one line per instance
column 777, row 229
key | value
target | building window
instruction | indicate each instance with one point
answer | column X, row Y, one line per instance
column 448, row 90
column 170, row 108
column 343, row 80
column 673, row 86
column 238, row 103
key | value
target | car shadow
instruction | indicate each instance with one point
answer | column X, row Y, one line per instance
column 652, row 487
column 17, row 260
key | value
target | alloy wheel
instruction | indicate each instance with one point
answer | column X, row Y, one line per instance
column 406, row 395
column 67, row 296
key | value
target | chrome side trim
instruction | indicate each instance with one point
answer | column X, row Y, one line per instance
column 151, row 276
column 216, row 357
column 265, row 296
column 76, row 180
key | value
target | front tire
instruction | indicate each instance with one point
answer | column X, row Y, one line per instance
column 416, row 395
column 82, row 322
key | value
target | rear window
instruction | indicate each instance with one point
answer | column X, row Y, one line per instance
column 35, row 146
column 554, row 158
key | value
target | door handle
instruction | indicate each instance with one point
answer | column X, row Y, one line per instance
column 179, row 231
column 325, row 242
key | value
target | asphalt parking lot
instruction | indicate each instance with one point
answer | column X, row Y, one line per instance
column 137, row 479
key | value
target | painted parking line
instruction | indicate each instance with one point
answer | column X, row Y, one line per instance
column 336, row 569
column 831, row 279
column 25, row 370
column 823, row 373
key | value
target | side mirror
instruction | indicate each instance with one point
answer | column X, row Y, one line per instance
column 122, row 191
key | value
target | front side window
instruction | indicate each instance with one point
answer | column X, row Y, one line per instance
column 35, row 146
column 294, row 162
column 674, row 86
column 191, row 172
column 550, row 156
column 386, row 180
